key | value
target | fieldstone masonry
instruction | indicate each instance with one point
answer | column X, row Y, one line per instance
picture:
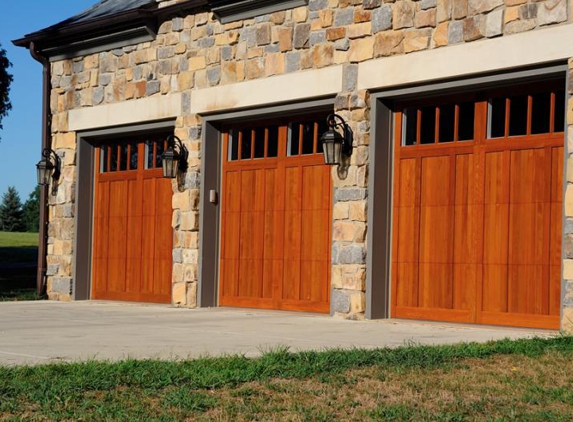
column 197, row 51
column 567, row 316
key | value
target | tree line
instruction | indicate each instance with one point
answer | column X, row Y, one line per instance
column 16, row 216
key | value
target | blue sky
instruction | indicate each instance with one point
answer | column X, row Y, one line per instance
column 20, row 143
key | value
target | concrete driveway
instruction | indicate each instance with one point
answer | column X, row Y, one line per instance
column 43, row 332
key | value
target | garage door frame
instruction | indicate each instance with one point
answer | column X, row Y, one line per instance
column 380, row 190
column 211, row 180
column 84, row 203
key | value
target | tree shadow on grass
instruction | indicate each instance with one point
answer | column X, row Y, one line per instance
column 18, row 266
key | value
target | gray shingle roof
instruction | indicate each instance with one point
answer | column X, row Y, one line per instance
column 102, row 9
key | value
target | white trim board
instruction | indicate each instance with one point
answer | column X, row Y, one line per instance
column 126, row 112
column 507, row 52
column 294, row 86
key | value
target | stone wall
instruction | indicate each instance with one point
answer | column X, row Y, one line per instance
column 195, row 52
column 567, row 316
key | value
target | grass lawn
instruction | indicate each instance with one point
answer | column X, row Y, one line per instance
column 18, row 248
column 525, row 380
column 18, row 260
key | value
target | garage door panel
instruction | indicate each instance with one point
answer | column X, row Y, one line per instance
column 231, row 235
column 556, row 187
column 465, row 180
column 314, row 188
column 555, row 290
column 162, row 280
column 232, row 192
column 408, row 183
column 100, row 276
column 291, row 280
column 251, row 245
column 408, row 233
column 273, row 235
column 530, row 176
column 466, row 237
column 133, row 274
column 101, row 221
column 528, row 233
column 436, row 234
column 436, row 181
column 314, row 225
column 407, row 290
column 250, row 278
column 464, row 286
column 497, row 165
column 435, row 289
column 293, row 189
column 273, row 270
column 116, row 275
column 495, row 288
column 496, row 233
column 525, row 288
column 310, row 289
column 466, row 211
column 230, row 277
column 556, row 223
column 292, row 234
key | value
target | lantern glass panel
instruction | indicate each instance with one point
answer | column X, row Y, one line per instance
column 44, row 171
column 170, row 164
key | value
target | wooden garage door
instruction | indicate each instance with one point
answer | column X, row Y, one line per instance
column 132, row 222
column 276, row 217
column 477, row 208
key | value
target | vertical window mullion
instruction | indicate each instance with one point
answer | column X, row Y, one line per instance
column 253, row 143
column 418, row 126
column 240, row 144
column 315, row 138
column 437, row 128
column 456, row 122
column 552, row 112
column 118, row 157
column 529, row 114
column 266, row 147
column 507, row 114
column 300, row 137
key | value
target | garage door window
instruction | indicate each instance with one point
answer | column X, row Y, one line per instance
column 252, row 142
column 440, row 123
column 537, row 113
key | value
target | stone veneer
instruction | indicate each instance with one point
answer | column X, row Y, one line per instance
column 567, row 294
column 197, row 51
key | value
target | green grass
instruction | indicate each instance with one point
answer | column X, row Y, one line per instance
column 18, row 248
column 18, row 240
column 19, row 295
column 524, row 380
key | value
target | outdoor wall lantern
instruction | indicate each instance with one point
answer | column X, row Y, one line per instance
column 48, row 166
column 334, row 145
column 174, row 159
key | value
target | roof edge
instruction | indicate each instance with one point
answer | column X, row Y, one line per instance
column 145, row 16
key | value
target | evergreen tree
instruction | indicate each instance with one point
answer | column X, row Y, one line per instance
column 11, row 214
column 32, row 211
column 5, row 81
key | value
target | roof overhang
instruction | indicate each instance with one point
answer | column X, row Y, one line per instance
column 105, row 33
